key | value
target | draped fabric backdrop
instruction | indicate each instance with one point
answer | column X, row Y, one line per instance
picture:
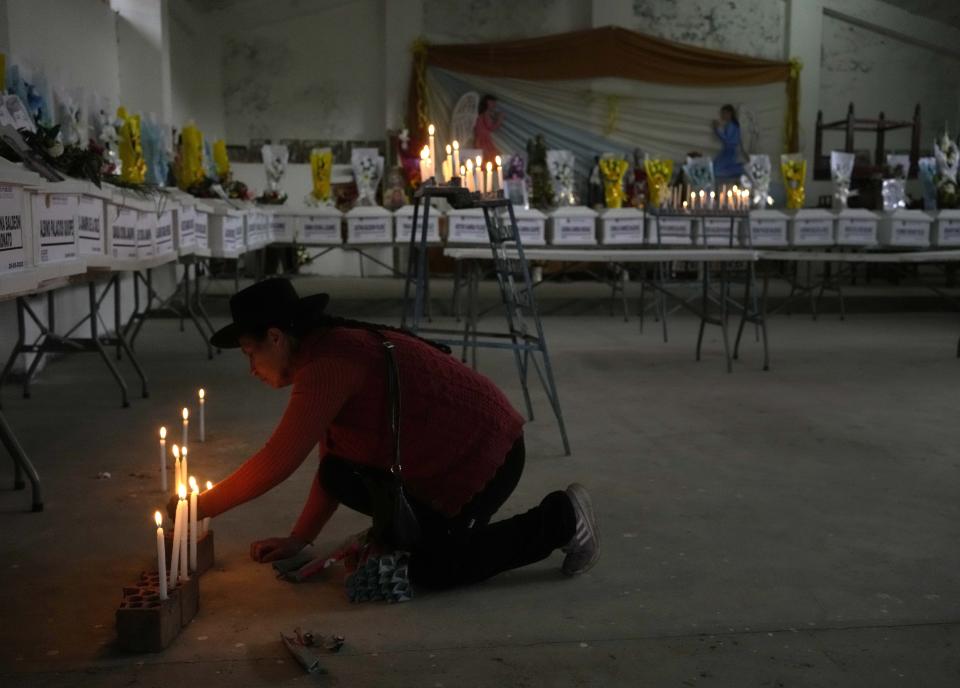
column 608, row 90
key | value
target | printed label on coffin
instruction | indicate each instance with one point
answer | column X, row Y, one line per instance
column 55, row 215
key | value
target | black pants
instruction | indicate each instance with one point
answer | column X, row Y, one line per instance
column 466, row 548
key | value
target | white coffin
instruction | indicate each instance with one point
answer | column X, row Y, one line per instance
column 467, row 227
column 403, row 224
column 946, row 229
column 856, row 227
column 905, row 228
column 811, row 227
column 256, row 229
column 201, row 226
column 370, row 224
column 673, row 231
column 16, row 236
column 54, row 218
column 146, row 226
column 283, row 228
column 225, row 230
column 573, row 226
column 91, row 226
column 321, row 226
column 717, row 231
column 184, row 234
column 122, row 232
column 531, row 226
column 621, row 226
column 767, row 228
column 163, row 234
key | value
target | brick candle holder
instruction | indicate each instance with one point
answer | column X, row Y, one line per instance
column 145, row 623
column 205, row 552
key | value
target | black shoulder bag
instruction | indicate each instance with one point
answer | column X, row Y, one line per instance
column 398, row 524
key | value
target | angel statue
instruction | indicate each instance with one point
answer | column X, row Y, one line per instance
column 275, row 157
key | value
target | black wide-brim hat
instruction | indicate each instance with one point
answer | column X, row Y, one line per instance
column 270, row 303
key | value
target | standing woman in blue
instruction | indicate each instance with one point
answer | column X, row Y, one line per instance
column 727, row 129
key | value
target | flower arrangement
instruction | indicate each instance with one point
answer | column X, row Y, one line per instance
column 133, row 168
column 794, row 170
column 613, row 171
column 367, row 169
column 321, row 166
column 275, row 159
column 699, row 173
column 659, row 173
column 841, row 172
column 756, row 178
column 560, row 168
column 927, row 171
column 948, row 158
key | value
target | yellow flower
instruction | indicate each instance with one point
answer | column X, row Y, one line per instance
column 659, row 173
column 613, row 171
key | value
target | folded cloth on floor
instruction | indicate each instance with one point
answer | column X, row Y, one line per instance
column 382, row 578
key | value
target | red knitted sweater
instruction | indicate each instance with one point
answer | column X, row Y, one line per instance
column 456, row 426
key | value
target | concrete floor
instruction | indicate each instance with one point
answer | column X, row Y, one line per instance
column 797, row 527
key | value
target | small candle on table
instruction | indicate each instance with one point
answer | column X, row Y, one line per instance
column 203, row 425
column 206, row 520
column 471, row 176
column 194, row 491
column 700, row 196
column 424, row 164
column 456, row 155
column 478, row 175
column 489, row 179
column 448, row 168
column 178, row 525
column 186, row 424
column 163, row 458
column 499, row 174
column 693, row 200
column 161, row 556
column 713, row 199
column 685, row 207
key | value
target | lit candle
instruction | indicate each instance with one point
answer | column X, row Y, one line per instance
column 489, row 181
column 499, row 174
column 178, row 525
column 163, row 458
column 693, row 200
column 186, row 424
column 729, row 200
column 203, row 400
column 183, row 465
column 478, row 175
column 206, row 520
column 471, row 177
column 424, row 164
column 769, row 200
column 700, row 196
column 685, row 208
column 448, row 171
column 194, row 491
column 431, row 133
column 745, row 195
column 456, row 155
column 184, row 570
column 161, row 556
column 713, row 199
column 175, row 450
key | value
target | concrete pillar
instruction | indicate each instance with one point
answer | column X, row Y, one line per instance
column 804, row 40
column 143, row 39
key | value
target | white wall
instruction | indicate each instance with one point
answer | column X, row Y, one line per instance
column 195, row 64
column 312, row 73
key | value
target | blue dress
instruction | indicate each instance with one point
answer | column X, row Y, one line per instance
column 725, row 165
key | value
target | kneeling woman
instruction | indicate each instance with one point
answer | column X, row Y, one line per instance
column 461, row 443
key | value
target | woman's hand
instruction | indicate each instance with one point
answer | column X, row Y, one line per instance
column 275, row 549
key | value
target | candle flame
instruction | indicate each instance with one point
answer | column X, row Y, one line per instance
column 163, row 432
column 469, row 165
column 448, row 149
column 176, row 451
column 479, row 161
column 194, row 488
column 183, row 451
column 489, row 166
column 701, row 193
column 713, row 194
column 182, row 491
column 431, row 130
column 684, row 205
column 499, row 161
column 425, row 153
column 185, row 413
column 209, row 485
column 158, row 518
column 456, row 145
column 201, row 393
column 463, row 170
column 769, row 200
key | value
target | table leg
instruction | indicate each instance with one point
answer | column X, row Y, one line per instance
column 22, row 463
column 95, row 342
